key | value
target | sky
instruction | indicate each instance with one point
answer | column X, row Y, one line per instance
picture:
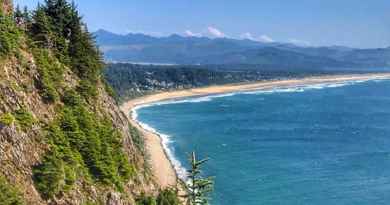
column 353, row 23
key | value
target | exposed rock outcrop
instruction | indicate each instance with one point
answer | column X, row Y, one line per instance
column 23, row 148
column 6, row 6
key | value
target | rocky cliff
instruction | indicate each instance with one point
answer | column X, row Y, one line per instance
column 63, row 139
column 22, row 148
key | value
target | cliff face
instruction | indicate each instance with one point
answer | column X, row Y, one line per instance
column 20, row 150
column 31, row 130
column 23, row 146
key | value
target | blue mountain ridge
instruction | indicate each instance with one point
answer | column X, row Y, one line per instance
column 176, row 49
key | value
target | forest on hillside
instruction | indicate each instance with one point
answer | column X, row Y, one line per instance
column 133, row 80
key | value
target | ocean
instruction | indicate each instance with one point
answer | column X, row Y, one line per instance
column 322, row 144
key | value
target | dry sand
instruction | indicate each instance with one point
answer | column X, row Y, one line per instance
column 162, row 168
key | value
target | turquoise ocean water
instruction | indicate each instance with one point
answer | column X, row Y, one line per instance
column 323, row 144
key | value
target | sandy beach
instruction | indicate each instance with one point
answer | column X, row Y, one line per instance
column 162, row 167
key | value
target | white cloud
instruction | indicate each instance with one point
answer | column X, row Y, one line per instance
column 266, row 39
column 262, row 38
column 149, row 33
column 215, row 32
column 192, row 34
column 247, row 36
column 299, row 42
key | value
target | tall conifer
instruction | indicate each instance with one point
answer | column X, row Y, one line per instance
column 199, row 187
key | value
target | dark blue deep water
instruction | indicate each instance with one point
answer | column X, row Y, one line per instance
column 296, row 146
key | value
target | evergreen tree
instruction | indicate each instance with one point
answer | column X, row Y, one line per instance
column 85, row 57
column 199, row 187
column 41, row 28
column 22, row 18
column 18, row 15
column 26, row 16
column 168, row 197
column 9, row 194
column 80, row 45
column 60, row 13
column 60, row 26
column 49, row 176
column 9, row 35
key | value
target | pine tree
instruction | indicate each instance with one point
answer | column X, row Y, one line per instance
column 85, row 57
column 22, row 18
column 60, row 13
column 41, row 31
column 18, row 15
column 57, row 25
column 26, row 16
column 199, row 187
column 79, row 45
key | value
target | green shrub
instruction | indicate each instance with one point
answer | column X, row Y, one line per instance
column 49, row 176
column 146, row 200
column 168, row 197
column 7, row 119
column 9, row 35
column 93, row 203
column 60, row 168
column 50, row 74
column 9, row 195
column 110, row 90
column 87, row 89
column 61, row 147
column 103, row 152
column 137, row 138
column 99, row 144
column 24, row 118
column 165, row 197
column 82, row 144
column 71, row 98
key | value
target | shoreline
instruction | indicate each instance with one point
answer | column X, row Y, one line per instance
column 162, row 163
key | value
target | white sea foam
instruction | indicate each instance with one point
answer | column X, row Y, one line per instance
column 302, row 88
column 195, row 99
column 134, row 114
column 165, row 141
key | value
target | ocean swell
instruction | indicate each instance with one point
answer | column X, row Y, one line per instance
column 166, row 139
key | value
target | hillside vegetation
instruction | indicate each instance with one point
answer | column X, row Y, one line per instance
column 132, row 80
column 63, row 139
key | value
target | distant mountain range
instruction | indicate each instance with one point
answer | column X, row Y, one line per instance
column 176, row 49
